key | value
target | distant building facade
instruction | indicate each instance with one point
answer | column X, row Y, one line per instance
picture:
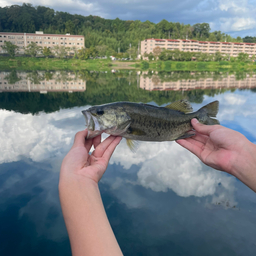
column 154, row 83
column 233, row 49
column 56, row 84
column 22, row 40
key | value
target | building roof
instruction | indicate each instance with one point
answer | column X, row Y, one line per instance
column 34, row 34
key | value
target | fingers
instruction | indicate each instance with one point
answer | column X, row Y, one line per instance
column 202, row 128
column 96, row 141
column 81, row 141
column 109, row 151
column 108, row 145
column 80, row 138
column 193, row 146
column 200, row 138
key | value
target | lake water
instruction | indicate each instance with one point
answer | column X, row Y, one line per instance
column 160, row 200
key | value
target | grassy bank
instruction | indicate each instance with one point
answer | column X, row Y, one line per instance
column 27, row 63
column 195, row 66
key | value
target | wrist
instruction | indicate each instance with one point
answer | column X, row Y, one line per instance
column 244, row 166
column 74, row 185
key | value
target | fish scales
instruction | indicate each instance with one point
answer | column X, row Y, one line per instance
column 158, row 125
column 136, row 121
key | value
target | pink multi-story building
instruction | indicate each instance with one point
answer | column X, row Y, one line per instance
column 22, row 40
column 233, row 49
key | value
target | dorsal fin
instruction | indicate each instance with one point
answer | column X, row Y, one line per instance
column 181, row 105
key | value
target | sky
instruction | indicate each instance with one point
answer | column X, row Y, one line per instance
column 234, row 17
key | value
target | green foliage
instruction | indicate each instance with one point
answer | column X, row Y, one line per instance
column 23, row 63
column 144, row 65
column 60, row 51
column 224, row 63
column 85, row 53
column 249, row 39
column 242, row 56
column 115, row 34
column 33, row 49
column 10, row 48
column 12, row 78
column 47, row 52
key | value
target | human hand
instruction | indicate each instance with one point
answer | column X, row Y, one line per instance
column 215, row 145
column 79, row 163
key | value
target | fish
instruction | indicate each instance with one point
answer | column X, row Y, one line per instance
column 145, row 122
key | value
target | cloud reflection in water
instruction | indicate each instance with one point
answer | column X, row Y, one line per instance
column 163, row 166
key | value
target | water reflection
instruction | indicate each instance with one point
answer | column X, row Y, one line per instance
column 67, row 81
column 46, row 137
column 155, row 82
column 160, row 200
column 41, row 81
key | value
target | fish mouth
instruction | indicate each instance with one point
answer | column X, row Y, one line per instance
column 92, row 125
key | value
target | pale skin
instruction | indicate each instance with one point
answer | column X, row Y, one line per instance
column 88, row 227
column 225, row 150
column 87, row 224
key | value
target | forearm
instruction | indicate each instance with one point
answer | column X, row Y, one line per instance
column 244, row 166
column 88, row 227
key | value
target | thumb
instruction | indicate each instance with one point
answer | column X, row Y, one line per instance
column 201, row 128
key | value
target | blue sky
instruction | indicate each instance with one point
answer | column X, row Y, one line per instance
column 234, row 17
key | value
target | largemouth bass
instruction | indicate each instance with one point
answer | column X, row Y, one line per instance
column 144, row 122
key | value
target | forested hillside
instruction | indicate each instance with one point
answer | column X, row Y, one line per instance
column 115, row 35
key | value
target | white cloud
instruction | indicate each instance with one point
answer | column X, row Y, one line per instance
column 35, row 137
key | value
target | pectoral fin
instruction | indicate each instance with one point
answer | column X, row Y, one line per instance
column 132, row 144
column 135, row 131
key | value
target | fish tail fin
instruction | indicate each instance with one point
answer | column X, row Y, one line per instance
column 211, row 111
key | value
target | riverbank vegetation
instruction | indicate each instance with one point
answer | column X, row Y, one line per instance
column 32, row 63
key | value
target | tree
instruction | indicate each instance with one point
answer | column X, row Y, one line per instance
column 150, row 56
column 212, row 37
column 156, row 80
column 12, row 77
column 83, row 54
column 47, row 51
column 132, row 52
column 102, row 49
column 239, row 39
column 218, row 56
column 60, row 51
column 242, row 56
column 201, row 30
column 33, row 49
column 157, row 51
column 10, row 48
column 70, row 27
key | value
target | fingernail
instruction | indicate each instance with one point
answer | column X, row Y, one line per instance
column 195, row 120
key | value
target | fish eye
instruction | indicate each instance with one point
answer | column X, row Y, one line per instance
column 100, row 112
